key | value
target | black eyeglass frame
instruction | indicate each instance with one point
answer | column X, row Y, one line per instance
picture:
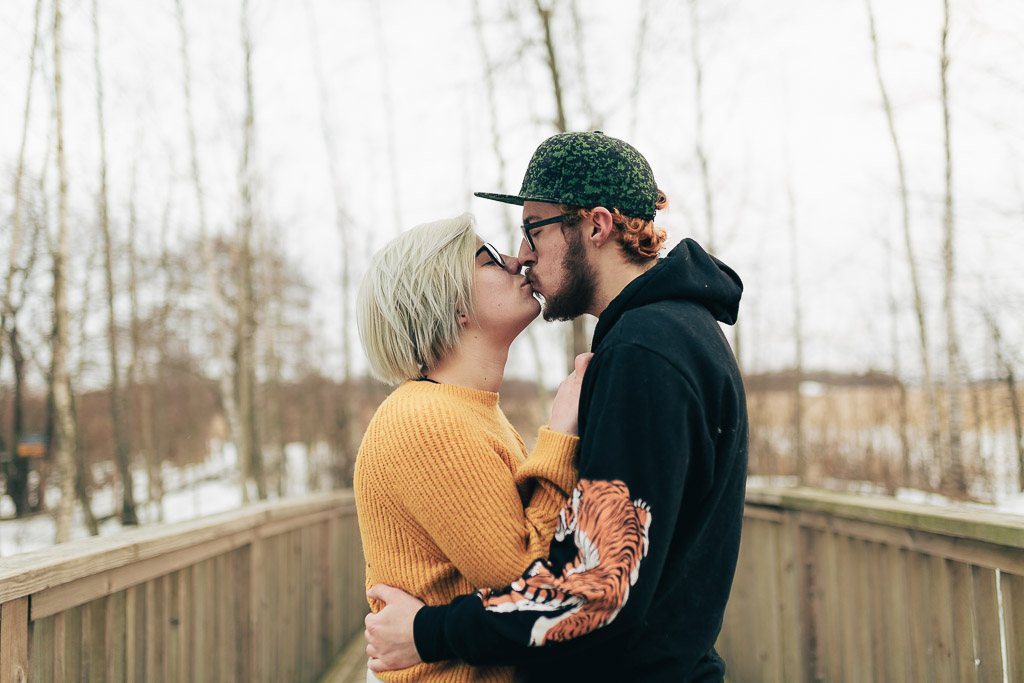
column 492, row 253
column 526, row 227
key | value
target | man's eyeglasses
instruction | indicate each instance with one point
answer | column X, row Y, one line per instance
column 492, row 253
column 527, row 227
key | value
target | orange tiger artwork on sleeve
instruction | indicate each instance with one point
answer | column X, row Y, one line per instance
column 610, row 531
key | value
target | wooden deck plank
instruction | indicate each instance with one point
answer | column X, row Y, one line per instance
column 350, row 665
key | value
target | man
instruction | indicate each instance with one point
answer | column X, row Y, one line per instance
column 642, row 563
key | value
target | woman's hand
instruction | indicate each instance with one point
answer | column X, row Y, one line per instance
column 565, row 409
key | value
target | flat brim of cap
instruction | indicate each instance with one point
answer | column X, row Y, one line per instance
column 506, row 198
column 516, row 199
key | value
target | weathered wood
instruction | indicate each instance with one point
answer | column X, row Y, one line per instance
column 987, row 633
column 14, row 631
column 893, row 588
column 42, row 649
column 885, row 590
column 968, row 523
column 116, row 637
column 30, row 573
column 791, row 578
column 97, row 639
column 963, row 622
column 940, row 615
column 243, row 605
column 1013, row 619
column 73, row 645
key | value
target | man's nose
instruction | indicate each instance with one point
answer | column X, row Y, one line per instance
column 527, row 256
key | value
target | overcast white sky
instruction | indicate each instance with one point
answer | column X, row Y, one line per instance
column 790, row 101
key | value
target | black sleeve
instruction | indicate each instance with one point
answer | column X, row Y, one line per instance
column 643, row 423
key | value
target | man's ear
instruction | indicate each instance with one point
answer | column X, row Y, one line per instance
column 601, row 225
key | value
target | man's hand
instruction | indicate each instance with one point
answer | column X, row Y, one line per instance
column 389, row 635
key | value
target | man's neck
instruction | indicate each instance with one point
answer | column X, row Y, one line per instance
column 612, row 278
column 476, row 364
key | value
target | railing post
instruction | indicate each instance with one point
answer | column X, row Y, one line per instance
column 254, row 658
column 14, row 641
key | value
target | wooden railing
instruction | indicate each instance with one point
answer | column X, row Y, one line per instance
column 270, row 592
column 839, row 587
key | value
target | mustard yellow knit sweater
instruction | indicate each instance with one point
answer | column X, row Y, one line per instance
column 449, row 502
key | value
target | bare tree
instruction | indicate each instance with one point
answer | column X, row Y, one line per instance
column 249, row 452
column 16, row 471
column 64, row 422
column 798, row 356
column 217, row 306
column 594, row 117
column 343, row 224
column 934, row 429
column 383, row 62
column 699, row 141
column 121, row 448
column 142, row 391
column 578, row 336
column 638, row 64
column 954, row 474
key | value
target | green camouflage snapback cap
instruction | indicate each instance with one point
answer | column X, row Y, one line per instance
column 587, row 170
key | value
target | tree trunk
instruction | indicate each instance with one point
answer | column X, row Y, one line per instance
column 18, row 467
column 217, row 305
column 1018, row 424
column 249, row 447
column 699, row 149
column 64, row 424
column 16, row 471
column 954, row 475
column 934, row 422
column 540, row 402
column 638, row 66
column 383, row 61
column 344, row 408
column 141, row 392
column 577, row 341
column 122, row 452
column 798, row 364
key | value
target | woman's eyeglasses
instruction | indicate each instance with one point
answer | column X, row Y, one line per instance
column 492, row 253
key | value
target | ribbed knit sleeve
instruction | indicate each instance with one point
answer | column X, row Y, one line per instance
column 445, row 469
column 548, row 477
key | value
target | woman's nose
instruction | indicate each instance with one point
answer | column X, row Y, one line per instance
column 512, row 264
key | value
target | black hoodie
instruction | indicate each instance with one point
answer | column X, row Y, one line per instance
column 642, row 563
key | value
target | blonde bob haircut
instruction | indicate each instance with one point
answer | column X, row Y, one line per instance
column 414, row 290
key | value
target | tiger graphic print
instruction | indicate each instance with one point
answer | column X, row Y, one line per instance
column 610, row 531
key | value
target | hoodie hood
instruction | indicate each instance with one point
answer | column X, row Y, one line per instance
column 688, row 273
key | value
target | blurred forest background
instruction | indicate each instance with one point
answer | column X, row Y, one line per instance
column 189, row 192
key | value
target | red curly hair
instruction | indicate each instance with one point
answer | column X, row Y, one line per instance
column 641, row 240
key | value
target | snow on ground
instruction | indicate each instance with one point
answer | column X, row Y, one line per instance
column 189, row 492
column 212, row 486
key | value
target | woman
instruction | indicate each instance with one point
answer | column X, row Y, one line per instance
column 448, row 501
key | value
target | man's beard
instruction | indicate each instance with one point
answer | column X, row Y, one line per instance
column 576, row 296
